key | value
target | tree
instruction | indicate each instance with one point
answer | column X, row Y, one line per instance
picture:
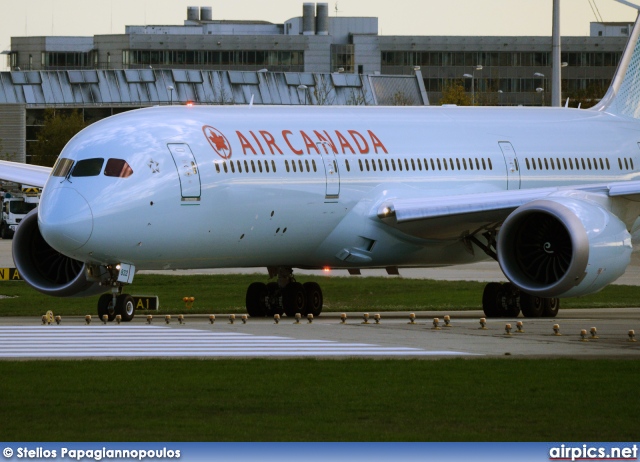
column 7, row 155
column 454, row 93
column 588, row 97
column 56, row 132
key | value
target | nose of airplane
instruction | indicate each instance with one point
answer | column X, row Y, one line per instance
column 65, row 219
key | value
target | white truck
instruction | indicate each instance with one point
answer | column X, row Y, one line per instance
column 15, row 205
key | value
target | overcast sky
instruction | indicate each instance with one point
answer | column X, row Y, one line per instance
column 396, row 17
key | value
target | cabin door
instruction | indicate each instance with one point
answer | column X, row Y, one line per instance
column 188, row 171
column 511, row 161
column 332, row 173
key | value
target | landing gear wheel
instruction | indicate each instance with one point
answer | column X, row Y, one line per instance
column 293, row 299
column 104, row 307
column 532, row 306
column 490, row 300
column 314, row 300
column 551, row 307
column 510, row 307
column 125, row 307
column 274, row 306
column 256, row 300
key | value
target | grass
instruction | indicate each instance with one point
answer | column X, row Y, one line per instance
column 226, row 294
column 320, row 400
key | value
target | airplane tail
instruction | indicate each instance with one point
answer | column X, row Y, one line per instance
column 623, row 96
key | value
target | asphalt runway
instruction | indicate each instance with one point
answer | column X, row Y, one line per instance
column 327, row 336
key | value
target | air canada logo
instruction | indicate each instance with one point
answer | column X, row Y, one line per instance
column 218, row 141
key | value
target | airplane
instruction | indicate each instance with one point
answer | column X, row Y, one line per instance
column 551, row 193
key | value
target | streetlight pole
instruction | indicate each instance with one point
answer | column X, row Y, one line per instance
column 170, row 88
column 472, row 76
column 304, row 89
column 540, row 89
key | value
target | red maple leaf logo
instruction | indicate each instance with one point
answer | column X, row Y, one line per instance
column 218, row 141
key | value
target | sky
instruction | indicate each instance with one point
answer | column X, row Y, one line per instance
column 395, row 17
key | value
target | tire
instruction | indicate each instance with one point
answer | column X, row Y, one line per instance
column 551, row 307
column 490, row 303
column 531, row 306
column 313, row 294
column 125, row 307
column 6, row 233
column 510, row 293
column 104, row 302
column 255, row 300
column 293, row 299
column 274, row 306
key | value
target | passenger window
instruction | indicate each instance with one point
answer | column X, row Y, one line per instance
column 360, row 164
column 490, row 164
column 380, row 164
column 393, row 164
column 631, row 162
column 233, row 168
column 526, row 160
column 217, row 167
column 266, row 166
column 608, row 165
column 406, row 164
column 313, row 164
column 373, row 164
column 626, row 165
column 300, row 165
column 88, row 167
column 273, row 165
column 62, row 167
column 346, row 162
column 366, row 163
column 246, row 166
column 293, row 166
column 224, row 166
column 286, row 165
column 451, row 163
column 239, row 166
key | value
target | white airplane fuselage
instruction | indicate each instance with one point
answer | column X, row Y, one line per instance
column 258, row 186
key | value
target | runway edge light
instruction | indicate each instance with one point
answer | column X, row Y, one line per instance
column 556, row 329
column 519, row 327
column 483, row 324
column 447, row 321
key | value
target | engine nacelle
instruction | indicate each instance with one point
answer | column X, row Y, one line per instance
column 563, row 246
column 47, row 270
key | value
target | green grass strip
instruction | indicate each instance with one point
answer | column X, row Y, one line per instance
column 226, row 294
column 320, row 400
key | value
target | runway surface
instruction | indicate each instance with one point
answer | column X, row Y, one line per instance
column 326, row 337
column 153, row 341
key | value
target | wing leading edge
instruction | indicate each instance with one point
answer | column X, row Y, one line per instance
column 453, row 217
column 32, row 175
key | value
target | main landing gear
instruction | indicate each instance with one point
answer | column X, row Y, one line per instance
column 507, row 301
column 283, row 297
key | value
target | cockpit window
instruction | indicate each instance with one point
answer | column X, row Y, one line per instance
column 62, row 167
column 118, row 168
column 88, row 167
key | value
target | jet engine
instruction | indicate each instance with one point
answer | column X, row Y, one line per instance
column 47, row 270
column 563, row 246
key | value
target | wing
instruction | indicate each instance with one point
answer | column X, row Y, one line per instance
column 32, row 175
column 453, row 217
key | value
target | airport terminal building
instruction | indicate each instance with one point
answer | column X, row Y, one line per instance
column 315, row 58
